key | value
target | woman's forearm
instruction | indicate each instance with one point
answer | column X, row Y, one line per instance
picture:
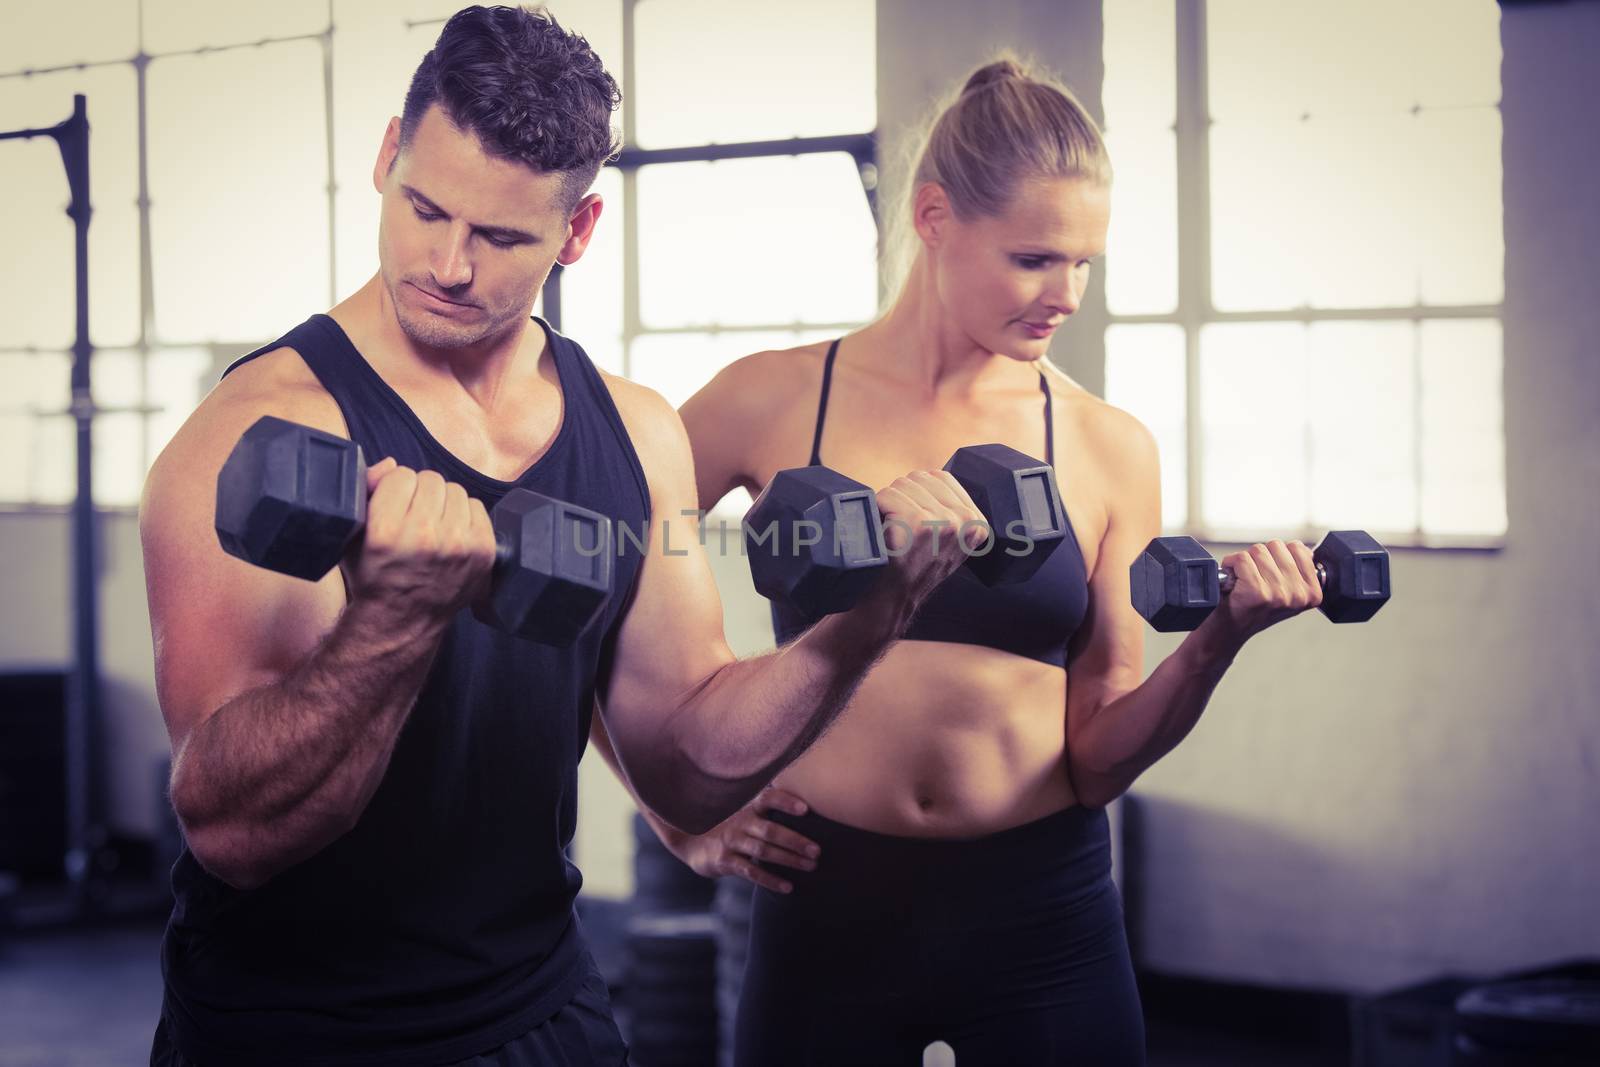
column 1118, row 741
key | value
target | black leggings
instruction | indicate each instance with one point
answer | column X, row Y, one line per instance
column 1010, row 948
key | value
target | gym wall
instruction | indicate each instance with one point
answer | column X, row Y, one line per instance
column 1358, row 808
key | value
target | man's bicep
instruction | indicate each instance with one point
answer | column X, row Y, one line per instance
column 671, row 640
column 221, row 626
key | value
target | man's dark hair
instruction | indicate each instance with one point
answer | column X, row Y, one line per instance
column 529, row 90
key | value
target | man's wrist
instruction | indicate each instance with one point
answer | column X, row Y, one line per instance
column 382, row 629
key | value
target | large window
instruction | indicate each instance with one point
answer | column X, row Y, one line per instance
column 1306, row 266
column 739, row 219
column 232, row 152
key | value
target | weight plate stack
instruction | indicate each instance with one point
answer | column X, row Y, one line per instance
column 672, row 978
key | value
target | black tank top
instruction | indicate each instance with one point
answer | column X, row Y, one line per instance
column 1035, row 618
column 443, row 924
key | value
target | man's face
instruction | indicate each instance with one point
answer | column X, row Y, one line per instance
column 466, row 240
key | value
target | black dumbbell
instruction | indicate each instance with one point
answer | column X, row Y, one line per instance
column 815, row 537
column 1176, row 583
column 291, row 498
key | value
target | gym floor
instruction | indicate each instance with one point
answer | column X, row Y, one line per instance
column 89, row 997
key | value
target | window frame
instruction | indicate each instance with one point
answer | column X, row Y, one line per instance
column 861, row 147
column 1196, row 310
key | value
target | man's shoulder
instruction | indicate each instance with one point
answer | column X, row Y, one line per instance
column 651, row 422
column 276, row 382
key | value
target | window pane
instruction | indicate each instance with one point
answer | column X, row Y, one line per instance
column 1142, row 246
column 1317, row 213
column 1463, row 434
column 1258, row 225
column 16, row 439
column 52, row 455
column 38, row 448
column 1254, row 391
column 1277, row 58
column 245, row 257
column 1361, row 230
column 117, row 381
column 719, row 71
column 178, row 378
column 1381, row 211
column 1145, row 376
column 39, row 381
column 755, row 242
column 37, row 290
column 116, row 378
column 591, row 289
column 1458, row 211
column 119, row 459
column 1140, row 48
column 1364, row 426
column 1455, row 51
column 676, row 365
column 374, row 56
column 180, row 25
column 39, row 36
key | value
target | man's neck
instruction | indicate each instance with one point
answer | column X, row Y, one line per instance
column 484, row 372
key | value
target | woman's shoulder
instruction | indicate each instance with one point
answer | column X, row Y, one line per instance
column 770, row 376
column 759, row 393
column 1116, row 436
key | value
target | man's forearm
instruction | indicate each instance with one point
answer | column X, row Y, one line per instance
column 1123, row 738
column 281, row 771
column 744, row 724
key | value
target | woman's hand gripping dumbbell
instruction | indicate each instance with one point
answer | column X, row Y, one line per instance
column 294, row 500
column 1176, row 584
column 817, row 541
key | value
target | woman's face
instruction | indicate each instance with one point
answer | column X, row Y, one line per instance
column 1009, row 281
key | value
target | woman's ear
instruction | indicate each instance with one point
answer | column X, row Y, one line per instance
column 930, row 213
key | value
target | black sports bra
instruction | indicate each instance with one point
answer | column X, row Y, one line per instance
column 1035, row 618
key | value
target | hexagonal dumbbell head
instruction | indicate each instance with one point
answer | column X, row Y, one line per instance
column 291, row 498
column 1357, row 575
column 553, row 569
column 1018, row 497
column 1175, row 583
column 815, row 540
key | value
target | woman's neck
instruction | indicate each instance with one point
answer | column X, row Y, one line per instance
column 918, row 343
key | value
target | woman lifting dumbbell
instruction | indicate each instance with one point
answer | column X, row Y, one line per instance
column 937, row 866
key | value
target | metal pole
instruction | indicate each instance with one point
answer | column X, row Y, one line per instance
column 85, row 828
column 85, row 831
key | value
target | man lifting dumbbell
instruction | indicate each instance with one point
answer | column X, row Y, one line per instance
column 293, row 499
column 376, row 789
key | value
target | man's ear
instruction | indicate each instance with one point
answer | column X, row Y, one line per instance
column 930, row 213
column 580, row 229
column 388, row 152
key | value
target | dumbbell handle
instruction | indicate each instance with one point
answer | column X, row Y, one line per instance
column 1226, row 579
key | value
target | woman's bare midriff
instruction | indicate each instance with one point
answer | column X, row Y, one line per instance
column 943, row 740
